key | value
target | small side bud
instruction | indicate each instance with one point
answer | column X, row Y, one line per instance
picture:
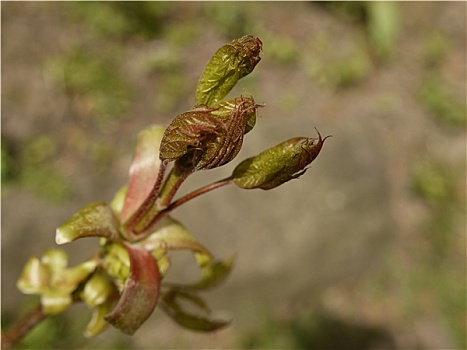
column 278, row 164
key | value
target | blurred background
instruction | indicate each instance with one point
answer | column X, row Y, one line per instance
column 366, row 250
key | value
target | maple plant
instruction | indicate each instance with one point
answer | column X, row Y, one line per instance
column 123, row 282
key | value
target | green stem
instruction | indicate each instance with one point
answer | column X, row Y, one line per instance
column 22, row 327
column 165, row 195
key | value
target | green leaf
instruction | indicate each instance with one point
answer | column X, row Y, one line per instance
column 171, row 234
column 34, row 278
column 97, row 324
column 144, row 169
column 116, row 261
column 278, row 164
column 67, row 280
column 229, row 64
column 98, row 289
column 140, row 294
column 201, row 322
column 214, row 274
column 55, row 259
column 94, row 220
column 119, row 199
column 55, row 301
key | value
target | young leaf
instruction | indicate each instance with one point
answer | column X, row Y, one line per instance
column 51, row 278
column 144, row 170
column 213, row 274
column 98, row 289
column 203, row 323
column 97, row 324
column 94, row 220
column 34, row 278
column 278, row 164
column 140, row 294
column 171, row 234
column 189, row 135
column 229, row 64
column 206, row 138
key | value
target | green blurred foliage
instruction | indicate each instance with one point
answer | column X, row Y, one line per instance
column 231, row 18
column 381, row 20
column 32, row 167
column 45, row 334
column 334, row 71
column 442, row 104
column 280, row 49
column 315, row 331
column 437, row 183
column 37, row 171
column 93, row 82
column 122, row 19
column 436, row 48
column 433, row 181
column 7, row 163
column 383, row 27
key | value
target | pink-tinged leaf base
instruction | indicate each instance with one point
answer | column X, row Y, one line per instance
column 140, row 294
column 144, row 170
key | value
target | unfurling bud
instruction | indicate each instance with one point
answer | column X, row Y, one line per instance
column 206, row 138
column 229, row 64
column 278, row 164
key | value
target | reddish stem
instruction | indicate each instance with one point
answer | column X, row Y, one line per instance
column 191, row 196
column 22, row 327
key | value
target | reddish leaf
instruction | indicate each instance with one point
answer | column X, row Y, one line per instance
column 140, row 294
column 144, row 169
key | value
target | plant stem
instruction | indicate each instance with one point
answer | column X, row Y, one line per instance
column 193, row 195
column 174, row 180
column 165, row 195
column 22, row 327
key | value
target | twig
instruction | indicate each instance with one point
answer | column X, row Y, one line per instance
column 195, row 194
column 22, row 327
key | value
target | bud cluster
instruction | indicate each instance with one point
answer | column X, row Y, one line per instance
column 122, row 283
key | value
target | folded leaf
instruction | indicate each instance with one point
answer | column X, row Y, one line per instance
column 230, row 63
column 206, row 138
column 202, row 322
column 119, row 199
column 214, row 274
column 94, row 220
column 278, row 164
column 98, row 289
column 34, row 278
column 140, row 294
column 171, row 234
column 144, row 169
column 97, row 323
